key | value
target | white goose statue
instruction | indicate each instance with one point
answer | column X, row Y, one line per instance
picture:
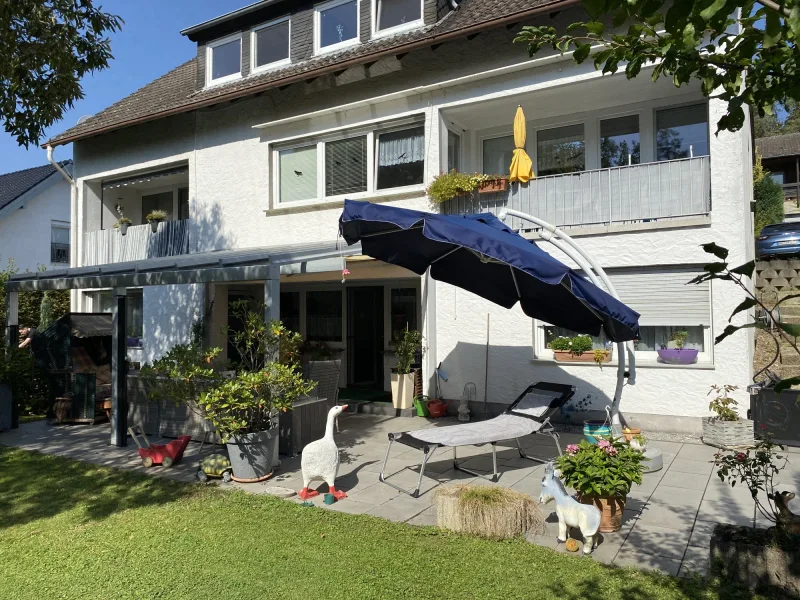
column 320, row 460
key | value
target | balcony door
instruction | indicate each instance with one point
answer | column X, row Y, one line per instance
column 162, row 201
column 365, row 337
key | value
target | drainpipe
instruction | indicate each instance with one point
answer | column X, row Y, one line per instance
column 58, row 167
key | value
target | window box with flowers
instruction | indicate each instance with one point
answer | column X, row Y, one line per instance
column 602, row 475
column 578, row 349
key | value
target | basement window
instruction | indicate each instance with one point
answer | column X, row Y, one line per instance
column 392, row 16
column 224, row 60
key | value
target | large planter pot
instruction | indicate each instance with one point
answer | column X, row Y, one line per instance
column 63, row 407
column 675, row 356
column 610, row 508
column 586, row 357
column 593, row 429
column 253, row 455
column 402, row 390
column 750, row 557
column 727, row 434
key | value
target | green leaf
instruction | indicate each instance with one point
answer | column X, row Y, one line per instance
column 716, row 267
column 712, row 9
column 688, row 35
column 772, row 30
column 581, row 52
column 594, row 27
column 595, row 8
column 718, row 251
column 794, row 20
column 746, row 304
column 745, row 269
column 678, row 13
column 792, row 329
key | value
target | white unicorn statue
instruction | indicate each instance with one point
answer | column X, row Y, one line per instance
column 570, row 512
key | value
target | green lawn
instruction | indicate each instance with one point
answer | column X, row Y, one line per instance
column 72, row 530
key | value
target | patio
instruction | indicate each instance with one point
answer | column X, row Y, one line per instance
column 668, row 521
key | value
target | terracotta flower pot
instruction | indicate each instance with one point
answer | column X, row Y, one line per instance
column 495, row 185
column 631, row 432
column 610, row 508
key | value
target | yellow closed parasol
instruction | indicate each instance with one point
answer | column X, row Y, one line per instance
column 521, row 166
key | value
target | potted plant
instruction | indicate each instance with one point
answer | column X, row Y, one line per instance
column 759, row 558
column 447, row 186
column 122, row 224
column 726, row 429
column 579, row 348
column 602, row 475
column 244, row 412
column 630, row 433
column 677, row 355
column 156, row 217
column 407, row 345
column 639, row 442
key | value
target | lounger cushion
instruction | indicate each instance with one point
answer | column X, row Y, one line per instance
column 536, row 403
column 504, row 427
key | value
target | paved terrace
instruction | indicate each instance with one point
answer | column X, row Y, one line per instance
column 667, row 524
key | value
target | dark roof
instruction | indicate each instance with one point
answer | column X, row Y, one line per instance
column 176, row 92
column 13, row 185
column 779, row 145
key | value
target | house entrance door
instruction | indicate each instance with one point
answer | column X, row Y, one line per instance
column 365, row 337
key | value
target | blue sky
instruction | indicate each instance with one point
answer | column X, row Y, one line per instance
column 148, row 46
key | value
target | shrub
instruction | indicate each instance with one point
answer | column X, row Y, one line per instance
column 408, row 344
column 768, row 196
column 723, row 405
column 576, row 345
column 607, row 469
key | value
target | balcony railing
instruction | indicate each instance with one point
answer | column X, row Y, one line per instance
column 110, row 246
column 59, row 253
column 636, row 193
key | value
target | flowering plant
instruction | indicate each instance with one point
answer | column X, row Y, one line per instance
column 607, row 469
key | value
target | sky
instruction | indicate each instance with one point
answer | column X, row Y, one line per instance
column 148, row 45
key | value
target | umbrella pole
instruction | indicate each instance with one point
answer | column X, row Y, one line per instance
column 571, row 248
column 486, row 369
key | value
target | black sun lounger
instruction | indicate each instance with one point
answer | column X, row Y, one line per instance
column 530, row 413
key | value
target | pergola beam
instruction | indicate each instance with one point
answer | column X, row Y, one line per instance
column 119, row 370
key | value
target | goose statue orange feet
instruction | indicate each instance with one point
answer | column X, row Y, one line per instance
column 320, row 460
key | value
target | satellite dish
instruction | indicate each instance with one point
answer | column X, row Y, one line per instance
column 84, row 118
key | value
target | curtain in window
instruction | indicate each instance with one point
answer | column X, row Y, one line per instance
column 401, row 147
column 497, row 154
column 298, row 174
column 346, row 166
column 560, row 150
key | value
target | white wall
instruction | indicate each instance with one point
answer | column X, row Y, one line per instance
column 25, row 233
column 230, row 190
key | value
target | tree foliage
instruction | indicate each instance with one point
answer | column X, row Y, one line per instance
column 783, row 119
column 768, row 195
column 46, row 47
column 712, row 41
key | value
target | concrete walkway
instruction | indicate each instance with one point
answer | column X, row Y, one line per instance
column 667, row 522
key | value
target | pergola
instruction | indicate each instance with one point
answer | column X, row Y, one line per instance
column 220, row 266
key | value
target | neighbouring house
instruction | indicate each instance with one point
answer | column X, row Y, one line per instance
column 291, row 107
column 35, row 218
column 780, row 155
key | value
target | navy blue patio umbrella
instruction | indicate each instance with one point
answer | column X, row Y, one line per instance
column 479, row 253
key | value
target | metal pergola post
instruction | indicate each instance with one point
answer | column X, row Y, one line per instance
column 12, row 341
column 595, row 272
column 119, row 370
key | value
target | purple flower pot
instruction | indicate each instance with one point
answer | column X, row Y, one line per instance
column 134, row 342
column 676, row 356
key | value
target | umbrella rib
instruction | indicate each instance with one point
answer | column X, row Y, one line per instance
column 446, row 254
column 516, row 285
column 390, row 231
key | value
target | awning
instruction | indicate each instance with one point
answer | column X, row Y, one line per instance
column 143, row 177
column 247, row 264
column 90, row 325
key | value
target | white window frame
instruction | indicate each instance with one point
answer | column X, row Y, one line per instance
column 666, row 107
column 376, row 33
column 598, row 134
column 318, row 49
column 278, row 63
column 372, row 131
column 492, row 136
column 210, row 60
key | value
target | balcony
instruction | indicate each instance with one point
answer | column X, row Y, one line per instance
column 630, row 194
column 110, row 246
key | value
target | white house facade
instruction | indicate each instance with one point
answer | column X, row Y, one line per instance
column 291, row 107
column 35, row 219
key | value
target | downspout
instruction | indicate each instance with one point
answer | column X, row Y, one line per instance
column 58, row 167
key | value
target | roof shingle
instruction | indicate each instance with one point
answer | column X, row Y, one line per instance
column 176, row 92
column 13, row 185
column 779, row 145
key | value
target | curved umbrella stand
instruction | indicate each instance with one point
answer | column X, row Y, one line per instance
column 562, row 241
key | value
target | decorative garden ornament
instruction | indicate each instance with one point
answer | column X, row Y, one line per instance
column 570, row 512
column 320, row 460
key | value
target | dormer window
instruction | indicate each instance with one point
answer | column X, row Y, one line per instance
column 270, row 44
column 336, row 25
column 224, row 60
column 391, row 16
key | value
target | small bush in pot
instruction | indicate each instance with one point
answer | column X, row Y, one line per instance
column 447, row 186
column 155, row 217
column 726, row 429
column 678, row 355
column 602, row 475
column 408, row 345
column 577, row 348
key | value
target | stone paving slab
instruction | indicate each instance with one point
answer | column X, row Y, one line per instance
column 667, row 523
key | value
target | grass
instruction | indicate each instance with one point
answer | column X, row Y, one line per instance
column 74, row 530
column 31, row 418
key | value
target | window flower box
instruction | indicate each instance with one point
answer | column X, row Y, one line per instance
column 727, row 434
column 493, row 186
column 585, row 357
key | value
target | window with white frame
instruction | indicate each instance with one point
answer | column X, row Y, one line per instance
column 560, row 150
column 336, row 25
column 351, row 164
column 619, row 142
column 396, row 15
column 59, row 242
column 666, row 305
column 270, row 44
column 224, row 60
column 453, row 151
column 497, row 154
column 682, row 132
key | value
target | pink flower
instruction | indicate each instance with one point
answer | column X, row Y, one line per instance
column 741, row 456
column 604, row 444
column 610, row 450
column 345, row 271
column 572, row 449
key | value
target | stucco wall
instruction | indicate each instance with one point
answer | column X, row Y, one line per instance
column 25, row 233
